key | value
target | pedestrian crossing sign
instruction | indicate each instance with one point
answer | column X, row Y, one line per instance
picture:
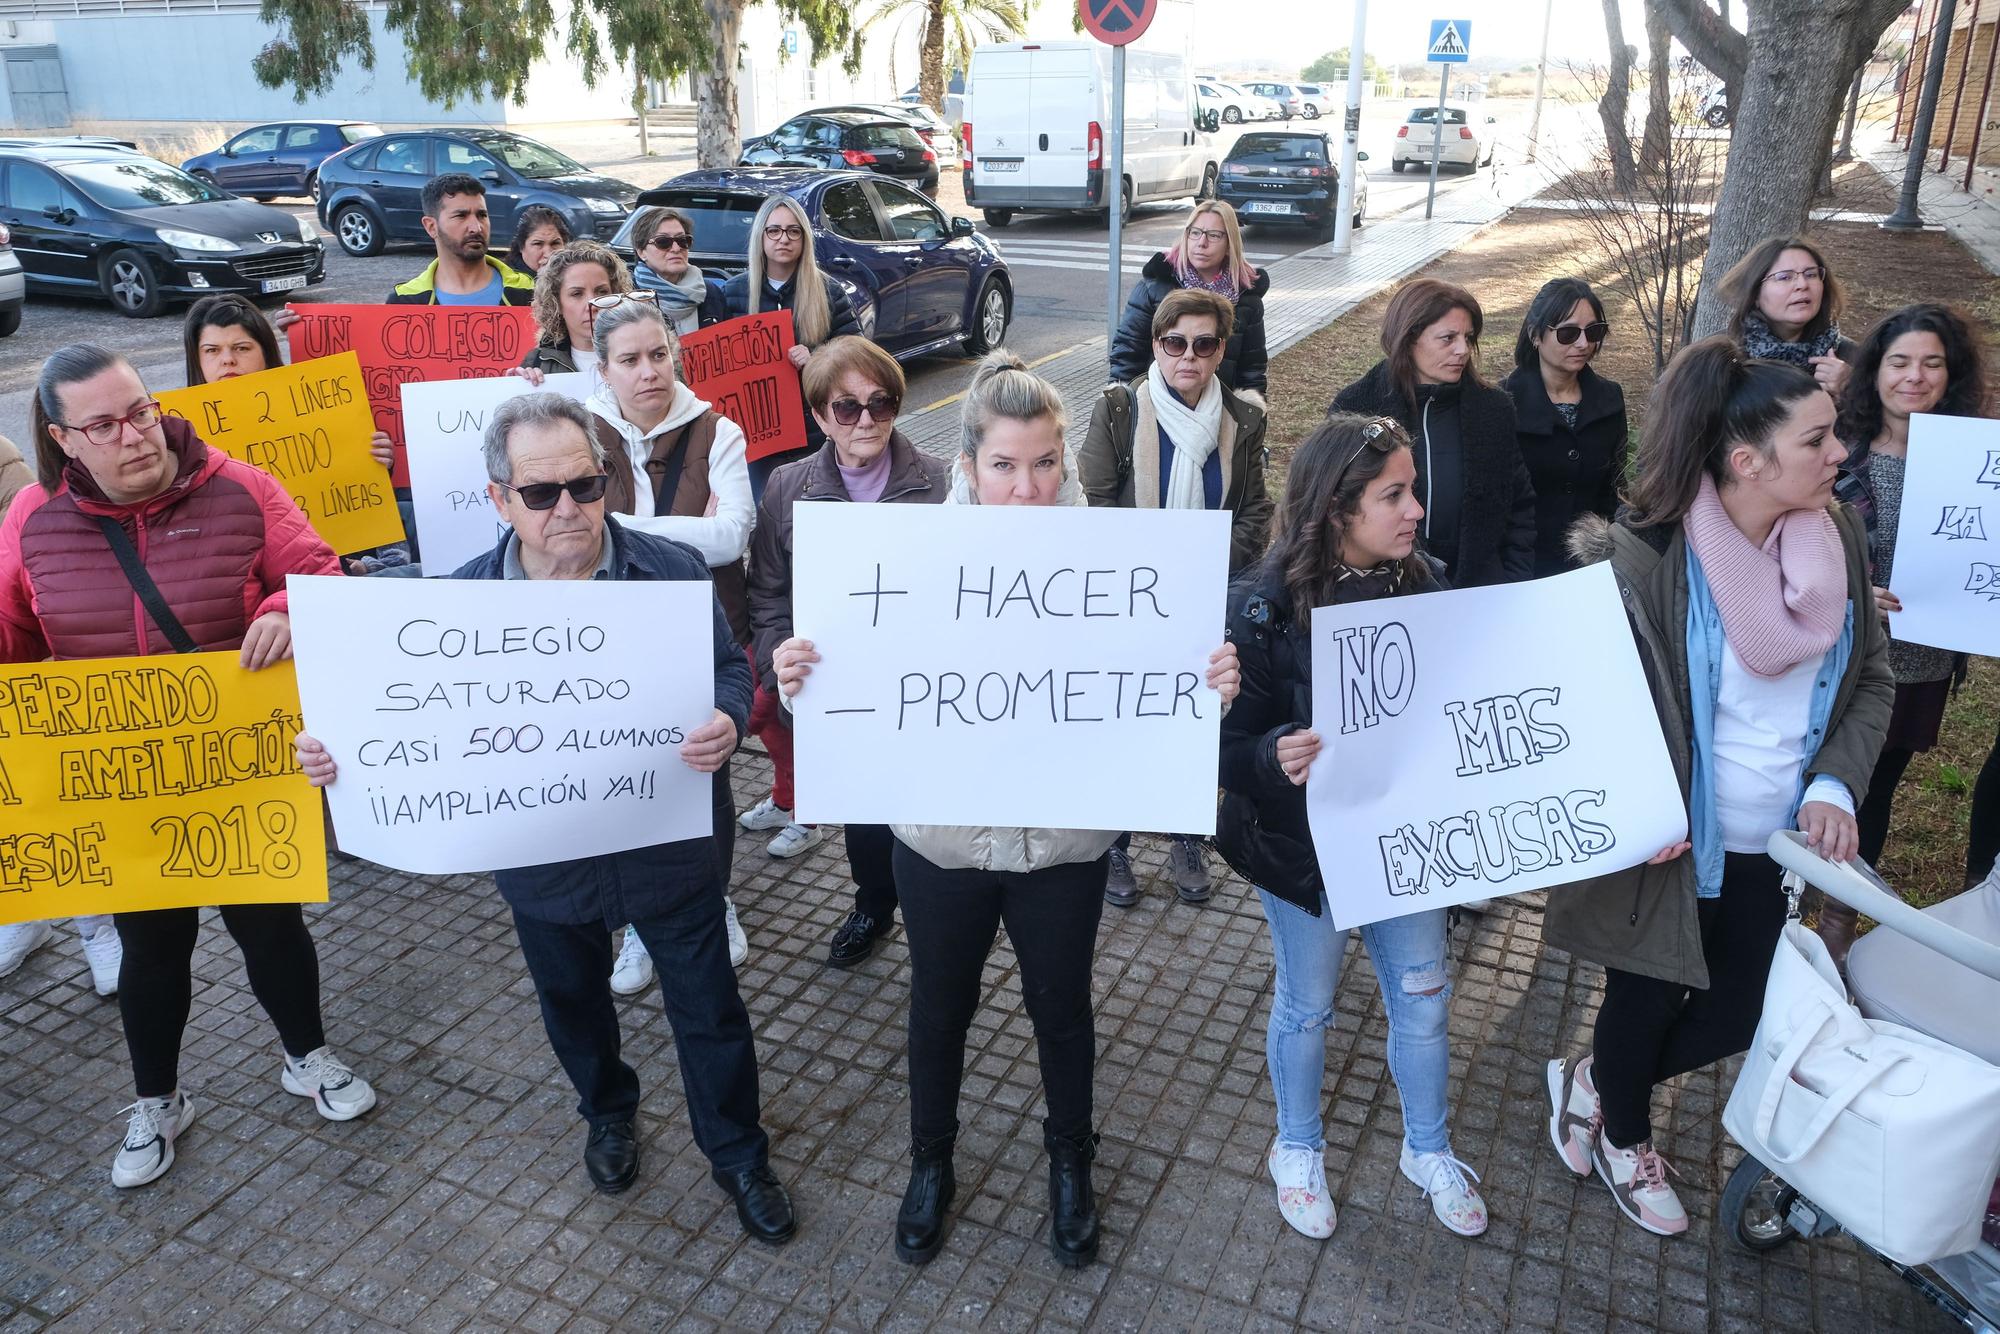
column 1451, row 41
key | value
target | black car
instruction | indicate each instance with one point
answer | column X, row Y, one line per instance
column 1288, row 176
column 282, row 158
column 372, row 194
column 95, row 217
column 847, row 141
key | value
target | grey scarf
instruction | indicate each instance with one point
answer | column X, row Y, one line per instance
column 1759, row 341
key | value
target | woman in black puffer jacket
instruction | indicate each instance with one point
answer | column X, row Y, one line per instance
column 1209, row 257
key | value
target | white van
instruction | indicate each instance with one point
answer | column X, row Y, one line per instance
column 1034, row 139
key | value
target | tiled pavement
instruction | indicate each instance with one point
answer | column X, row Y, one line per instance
column 459, row 1203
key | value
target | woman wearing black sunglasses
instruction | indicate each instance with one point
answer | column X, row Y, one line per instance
column 663, row 238
column 1569, row 419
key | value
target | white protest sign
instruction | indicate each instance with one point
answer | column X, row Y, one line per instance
column 1482, row 742
column 444, row 425
column 1009, row 665
column 484, row 724
column 1947, row 570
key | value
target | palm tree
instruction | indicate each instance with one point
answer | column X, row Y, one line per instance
column 958, row 25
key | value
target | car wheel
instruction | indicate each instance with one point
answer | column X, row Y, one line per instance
column 1717, row 117
column 357, row 231
column 129, row 285
column 1208, row 179
column 1312, row 112
column 312, row 186
column 10, row 320
column 989, row 318
column 1397, row 164
column 997, row 217
column 1125, row 202
column 1232, row 115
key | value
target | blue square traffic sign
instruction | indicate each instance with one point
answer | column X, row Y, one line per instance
column 1451, row 42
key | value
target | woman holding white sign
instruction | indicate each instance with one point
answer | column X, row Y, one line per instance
column 1347, row 532
column 958, row 885
column 1748, row 591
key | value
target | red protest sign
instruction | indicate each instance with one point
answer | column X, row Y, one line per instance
column 401, row 344
column 743, row 368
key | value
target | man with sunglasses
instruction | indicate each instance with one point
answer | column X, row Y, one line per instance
column 663, row 238
column 1178, row 437
column 548, row 482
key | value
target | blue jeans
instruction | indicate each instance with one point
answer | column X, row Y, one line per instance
column 1409, row 958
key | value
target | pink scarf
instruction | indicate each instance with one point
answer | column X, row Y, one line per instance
column 1782, row 603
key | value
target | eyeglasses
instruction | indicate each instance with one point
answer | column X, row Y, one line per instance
column 1592, row 332
column 1783, row 277
column 111, row 430
column 610, row 299
column 879, row 407
column 1380, row 435
column 1177, row 345
column 671, row 241
column 544, row 495
column 1207, row 234
column 778, row 232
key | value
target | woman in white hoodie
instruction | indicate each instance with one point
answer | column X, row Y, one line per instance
column 677, row 469
column 958, row 885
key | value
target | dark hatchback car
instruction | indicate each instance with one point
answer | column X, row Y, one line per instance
column 851, row 140
column 278, row 159
column 1288, row 177
column 93, row 218
column 921, row 282
column 371, row 195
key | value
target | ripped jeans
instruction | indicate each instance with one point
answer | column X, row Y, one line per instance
column 1411, row 968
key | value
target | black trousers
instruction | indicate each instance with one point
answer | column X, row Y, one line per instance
column 870, row 860
column 1983, row 842
column 1873, row 815
column 571, row 967
column 1649, row 1031
column 950, row 920
column 156, row 982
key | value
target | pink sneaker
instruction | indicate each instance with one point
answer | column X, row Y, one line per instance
column 1574, row 1115
column 1638, row 1180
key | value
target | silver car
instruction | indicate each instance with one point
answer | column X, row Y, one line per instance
column 13, row 286
column 1284, row 94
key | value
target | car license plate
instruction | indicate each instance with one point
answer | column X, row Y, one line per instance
column 282, row 284
column 1001, row 164
column 1266, row 206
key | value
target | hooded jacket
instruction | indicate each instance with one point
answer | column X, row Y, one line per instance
column 1244, row 361
column 218, row 542
column 517, row 289
column 1574, row 472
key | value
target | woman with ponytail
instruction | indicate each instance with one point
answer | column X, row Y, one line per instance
column 1748, row 591
column 960, row 884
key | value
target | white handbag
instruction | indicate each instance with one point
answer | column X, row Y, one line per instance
column 1894, row 1134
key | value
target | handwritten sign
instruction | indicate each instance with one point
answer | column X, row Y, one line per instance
column 152, row 782
column 445, row 425
column 485, row 724
column 400, row 345
column 1947, row 570
column 1463, row 758
column 1009, row 665
column 308, row 426
column 742, row 367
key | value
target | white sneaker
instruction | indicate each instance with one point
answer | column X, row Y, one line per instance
column 794, row 839
column 105, row 952
column 766, row 814
column 1638, row 1180
column 633, row 972
column 739, row 943
column 337, row 1092
column 1454, row 1199
column 17, row 942
column 1303, row 1198
column 148, row 1150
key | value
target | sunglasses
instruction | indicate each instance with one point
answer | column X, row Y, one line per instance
column 610, row 299
column 544, row 495
column 1569, row 333
column 1381, row 435
column 1177, row 345
column 879, row 407
column 669, row 241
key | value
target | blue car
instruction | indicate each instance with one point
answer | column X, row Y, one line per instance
column 278, row 159
column 921, row 281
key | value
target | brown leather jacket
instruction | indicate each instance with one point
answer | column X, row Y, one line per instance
column 690, row 495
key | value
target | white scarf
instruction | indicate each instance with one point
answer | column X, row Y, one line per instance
column 1195, row 432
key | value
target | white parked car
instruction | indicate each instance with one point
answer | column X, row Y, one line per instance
column 1460, row 145
column 1286, row 96
column 1317, row 99
column 1235, row 105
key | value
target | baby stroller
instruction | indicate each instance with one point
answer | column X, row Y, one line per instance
column 1935, row 971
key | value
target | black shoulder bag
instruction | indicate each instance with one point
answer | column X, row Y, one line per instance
column 142, row 584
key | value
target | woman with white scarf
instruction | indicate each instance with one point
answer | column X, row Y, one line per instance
column 1178, row 438
column 663, row 239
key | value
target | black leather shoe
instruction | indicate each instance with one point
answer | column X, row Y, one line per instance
column 1121, row 887
column 920, row 1222
column 762, row 1205
column 1072, row 1203
column 855, row 940
column 612, row 1156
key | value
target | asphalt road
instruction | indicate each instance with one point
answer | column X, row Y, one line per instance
column 1057, row 263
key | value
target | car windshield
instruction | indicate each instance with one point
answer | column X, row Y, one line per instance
column 888, row 136
column 1428, row 116
column 536, row 161
column 138, row 182
column 721, row 221
column 1279, row 150
column 354, row 134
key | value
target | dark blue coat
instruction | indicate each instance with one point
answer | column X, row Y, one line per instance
column 616, row 887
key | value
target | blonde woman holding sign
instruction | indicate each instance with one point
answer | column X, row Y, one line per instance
column 959, row 885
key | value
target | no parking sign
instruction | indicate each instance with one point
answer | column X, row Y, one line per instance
column 1117, row 22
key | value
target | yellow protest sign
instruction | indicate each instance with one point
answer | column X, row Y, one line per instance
column 153, row 782
column 307, row 425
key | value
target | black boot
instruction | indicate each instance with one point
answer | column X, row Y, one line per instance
column 1072, row 1203
column 920, row 1222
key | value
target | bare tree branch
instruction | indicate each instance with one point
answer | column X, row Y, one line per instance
column 1722, row 50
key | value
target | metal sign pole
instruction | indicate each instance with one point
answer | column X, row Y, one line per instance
column 1114, row 191
column 1343, row 225
column 1437, row 140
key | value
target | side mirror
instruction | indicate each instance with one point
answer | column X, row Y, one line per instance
column 1361, row 156
column 491, row 177
column 963, row 227
column 58, row 215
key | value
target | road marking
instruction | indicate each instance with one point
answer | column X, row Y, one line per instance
column 1038, row 361
column 1065, row 249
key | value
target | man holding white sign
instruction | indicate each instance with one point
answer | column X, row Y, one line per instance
column 548, row 481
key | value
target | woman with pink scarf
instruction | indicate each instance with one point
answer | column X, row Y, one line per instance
column 1207, row 258
column 1748, row 592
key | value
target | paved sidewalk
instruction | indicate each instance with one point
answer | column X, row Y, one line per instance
column 1972, row 217
column 459, row 1203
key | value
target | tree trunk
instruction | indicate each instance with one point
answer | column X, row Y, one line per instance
column 930, row 81
column 718, row 134
column 1659, row 91
column 1615, row 106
